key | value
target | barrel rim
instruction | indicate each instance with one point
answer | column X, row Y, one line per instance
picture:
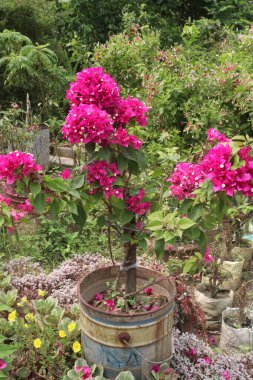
column 126, row 315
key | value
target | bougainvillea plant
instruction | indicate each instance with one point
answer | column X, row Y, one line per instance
column 100, row 120
column 207, row 188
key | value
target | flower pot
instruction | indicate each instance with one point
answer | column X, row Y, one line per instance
column 233, row 339
column 234, row 269
column 247, row 253
column 120, row 342
column 213, row 307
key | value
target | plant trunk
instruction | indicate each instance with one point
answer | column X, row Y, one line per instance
column 130, row 259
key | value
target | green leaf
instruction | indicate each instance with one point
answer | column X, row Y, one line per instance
column 159, row 248
column 155, row 225
column 81, row 217
column 7, row 349
column 5, row 308
column 101, row 221
column 133, row 167
column 158, row 215
column 142, row 243
column 168, row 236
column 125, row 376
column 35, row 188
column 72, row 207
column 105, row 153
column 122, row 163
column 125, row 216
column 56, row 184
column 185, row 223
column 39, row 202
column 54, row 207
column 77, row 182
column 118, row 203
column 90, row 147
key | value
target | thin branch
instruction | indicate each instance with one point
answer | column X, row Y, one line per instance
column 110, row 243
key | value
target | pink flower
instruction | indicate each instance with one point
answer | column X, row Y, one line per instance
column 156, row 368
column 93, row 86
column 66, row 173
column 148, row 291
column 135, row 204
column 217, row 167
column 104, row 175
column 185, row 179
column 88, row 123
column 207, row 360
column 207, row 257
column 167, row 371
column 99, row 297
column 110, row 304
column 86, row 372
column 15, row 166
column 226, row 375
column 3, row 364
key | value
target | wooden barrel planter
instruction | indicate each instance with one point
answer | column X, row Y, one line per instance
column 120, row 342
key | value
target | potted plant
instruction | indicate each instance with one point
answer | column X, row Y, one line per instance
column 209, row 189
column 126, row 310
column 237, row 322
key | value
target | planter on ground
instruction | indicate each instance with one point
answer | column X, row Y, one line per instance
column 234, row 274
column 119, row 342
column 247, row 254
column 234, row 339
column 213, row 307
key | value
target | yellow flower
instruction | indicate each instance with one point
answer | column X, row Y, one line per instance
column 76, row 346
column 37, row 343
column 71, row 326
column 24, row 299
column 12, row 316
column 62, row 334
column 41, row 293
column 19, row 304
column 29, row 317
column 26, row 325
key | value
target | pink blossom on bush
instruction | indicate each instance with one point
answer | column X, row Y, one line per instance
column 245, row 173
column 217, row 167
column 215, row 135
column 88, row 123
column 185, row 179
column 121, row 137
column 66, row 173
column 135, row 204
column 93, row 86
column 208, row 258
column 3, row 199
column 131, row 108
column 17, row 165
column 104, row 175
column 25, row 207
column 3, row 364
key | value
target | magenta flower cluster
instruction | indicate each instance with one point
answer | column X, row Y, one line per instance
column 185, row 179
column 103, row 174
column 217, row 167
column 135, row 204
column 98, row 114
column 16, row 166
